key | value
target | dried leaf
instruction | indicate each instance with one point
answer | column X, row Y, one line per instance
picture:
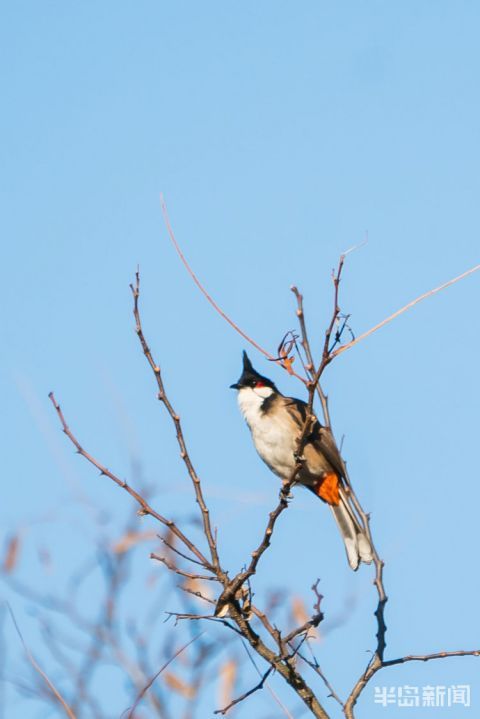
column 131, row 539
column 12, row 554
column 287, row 363
column 178, row 685
column 228, row 675
column 197, row 585
column 301, row 615
column 299, row 610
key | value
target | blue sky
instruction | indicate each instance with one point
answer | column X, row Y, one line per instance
column 280, row 136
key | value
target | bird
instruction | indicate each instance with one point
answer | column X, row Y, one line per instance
column 276, row 423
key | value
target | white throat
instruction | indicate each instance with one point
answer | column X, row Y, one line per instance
column 250, row 402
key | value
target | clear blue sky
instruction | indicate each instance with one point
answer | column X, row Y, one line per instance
column 279, row 134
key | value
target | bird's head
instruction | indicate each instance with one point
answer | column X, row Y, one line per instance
column 251, row 380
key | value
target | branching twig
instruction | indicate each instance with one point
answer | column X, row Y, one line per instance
column 145, row 507
column 178, row 428
column 239, row 699
column 317, row 669
column 177, row 551
column 403, row 309
column 335, row 352
column 310, row 366
column 313, row 621
column 272, row 693
column 375, row 665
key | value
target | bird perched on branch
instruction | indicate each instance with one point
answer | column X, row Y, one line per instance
column 276, row 423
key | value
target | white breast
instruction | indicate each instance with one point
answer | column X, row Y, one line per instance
column 273, row 433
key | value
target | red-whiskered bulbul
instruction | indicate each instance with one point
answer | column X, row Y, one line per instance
column 276, row 423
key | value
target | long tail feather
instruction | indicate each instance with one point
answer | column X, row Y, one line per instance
column 356, row 542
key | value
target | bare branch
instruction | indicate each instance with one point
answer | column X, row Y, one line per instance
column 317, row 669
column 428, row 657
column 68, row 711
column 403, row 309
column 375, row 665
column 285, row 666
column 274, row 633
column 246, row 694
column 179, row 432
column 173, row 568
column 314, row 620
column 210, row 299
column 196, row 593
column 272, row 693
column 145, row 507
column 310, row 367
column 157, row 674
column 177, row 551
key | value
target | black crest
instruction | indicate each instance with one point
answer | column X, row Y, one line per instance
column 250, row 377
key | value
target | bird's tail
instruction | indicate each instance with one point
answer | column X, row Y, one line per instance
column 357, row 544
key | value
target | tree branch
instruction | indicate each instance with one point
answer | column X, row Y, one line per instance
column 246, row 694
column 145, row 507
column 68, row 711
column 210, row 299
column 157, row 674
column 428, row 657
column 178, row 428
column 403, row 309
column 173, row 568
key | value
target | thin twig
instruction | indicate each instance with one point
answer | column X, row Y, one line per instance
column 157, row 674
column 68, row 711
column 317, row 669
column 310, row 367
column 177, row 551
column 403, row 309
column 314, row 620
column 428, row 657
column 210, row 299
column 272, row 693
column 178, row 429
column 376, row 664
column 209, row 617
column 173, row 568
column 239, row 699
column 196, row 593
column 202, row 289
column 336, row 352
column 274, row 633
column 145, row 507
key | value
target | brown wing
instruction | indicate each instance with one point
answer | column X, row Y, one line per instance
column 321, row 438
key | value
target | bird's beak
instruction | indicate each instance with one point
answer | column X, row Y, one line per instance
column 235, row 386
